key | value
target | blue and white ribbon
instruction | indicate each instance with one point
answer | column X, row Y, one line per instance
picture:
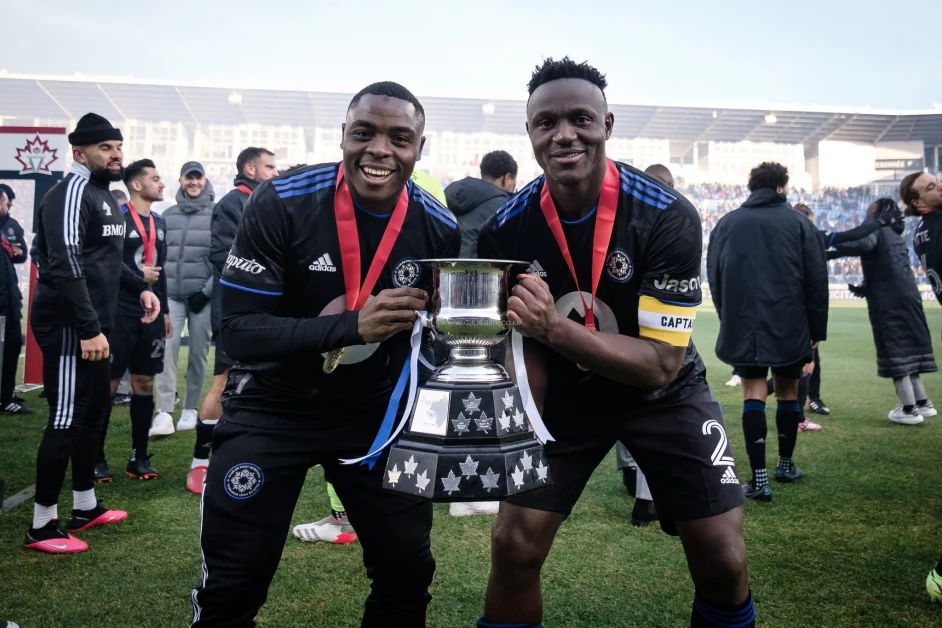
column 523, row 385
column 408, row 375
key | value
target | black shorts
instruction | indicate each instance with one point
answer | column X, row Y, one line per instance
column 680, row 445
column 791, row 371
column 137, row 347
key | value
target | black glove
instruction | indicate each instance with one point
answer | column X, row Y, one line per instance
column 857, row 291
column 197, row 302
column 890, row 216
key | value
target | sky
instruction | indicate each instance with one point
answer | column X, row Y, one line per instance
column 824, row 52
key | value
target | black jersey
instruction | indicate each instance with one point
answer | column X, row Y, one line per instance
column 129, row 303
column 79, row 235
column 287, row 247
column 927, row 243
column 650, row 284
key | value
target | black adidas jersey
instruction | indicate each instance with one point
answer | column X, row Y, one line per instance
column 650, row 284
column 287, row 246
column 927, row 243
column 129, row 304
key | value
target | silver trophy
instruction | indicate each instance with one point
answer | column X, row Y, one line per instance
column 468, row 437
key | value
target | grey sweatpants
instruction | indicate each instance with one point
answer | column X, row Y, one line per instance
column 200, row 332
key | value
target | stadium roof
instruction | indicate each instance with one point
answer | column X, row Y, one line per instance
column 24, row 97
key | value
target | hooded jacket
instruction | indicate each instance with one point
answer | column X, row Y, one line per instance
column 473, row 201
column 769, row 282
column 900, row 331
column 188, row 245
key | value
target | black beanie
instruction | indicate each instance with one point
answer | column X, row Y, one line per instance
column 91, row 129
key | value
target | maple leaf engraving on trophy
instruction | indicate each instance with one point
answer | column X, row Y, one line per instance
column 469, row 467
column 451, row 482
column 394, row 474
column 518, row 418
column 490, row 479
column 422, row 480
column 460, row 424
column 517, row 475
column 541, row 471
column 526, row 461
column 508, row 400
column 484, row 423
column 471, row 403
column 504, row 421
column 411, row 464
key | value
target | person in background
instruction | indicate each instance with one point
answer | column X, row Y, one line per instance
column 137, row 347
column 189, row 288
column 120, row 197
column 768, row 279
column 430, row 184
column 474, row 200
column 13, row 246
column 900, row 331
column 254, row 166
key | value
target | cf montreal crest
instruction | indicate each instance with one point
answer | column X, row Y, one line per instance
column 618, row 265
column 406, row 273
column 244, row 480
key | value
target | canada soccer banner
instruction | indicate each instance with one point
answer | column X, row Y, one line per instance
column 36, row 154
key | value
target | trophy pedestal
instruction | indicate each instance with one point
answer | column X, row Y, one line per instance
column 467, row 442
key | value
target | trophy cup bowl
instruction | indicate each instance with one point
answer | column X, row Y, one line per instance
column 468, row 438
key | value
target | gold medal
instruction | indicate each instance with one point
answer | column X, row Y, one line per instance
column 332, row 361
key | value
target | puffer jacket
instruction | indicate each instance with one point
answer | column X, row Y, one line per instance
column 188, row 245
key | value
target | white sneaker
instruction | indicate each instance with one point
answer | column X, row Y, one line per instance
column 162, row 426
column 927, row 410
column 469, row 509
column 898, row 416
column 328, row 530
column 734, row 381
column 187, row 420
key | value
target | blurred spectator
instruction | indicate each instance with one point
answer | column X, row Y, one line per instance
column 473, row 201
column 189, row 288
column 11, row 300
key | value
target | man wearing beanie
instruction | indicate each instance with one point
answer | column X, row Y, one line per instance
column 78, row 249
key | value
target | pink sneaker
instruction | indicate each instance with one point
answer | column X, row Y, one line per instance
column 195, row 479
column 52, row 539
column 98, row 516
column 808, row 426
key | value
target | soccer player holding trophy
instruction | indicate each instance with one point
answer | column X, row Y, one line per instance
column 608, row 353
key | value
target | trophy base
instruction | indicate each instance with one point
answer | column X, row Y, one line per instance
column 467, row 443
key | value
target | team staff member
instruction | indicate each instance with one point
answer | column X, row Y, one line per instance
column 311, row 248
column 609, row 342
column 11, row 301
column 79, row 238
column 254, row 166
column 136, row 346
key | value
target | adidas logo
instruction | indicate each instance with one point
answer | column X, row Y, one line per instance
column 536, row 269
column 134, row 234
column 729, row 477
column 324, row 264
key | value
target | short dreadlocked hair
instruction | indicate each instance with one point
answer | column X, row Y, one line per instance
column 553, row 70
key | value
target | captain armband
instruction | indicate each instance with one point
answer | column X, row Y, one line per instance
column 667, row 322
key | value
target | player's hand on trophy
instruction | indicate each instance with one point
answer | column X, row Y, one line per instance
column 389, row 313
column 532, row 307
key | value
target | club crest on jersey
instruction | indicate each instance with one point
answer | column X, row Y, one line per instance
column 105, row 208
column 160, row 235
column 619, row 266
column 406, row 273
column 244, row 480
column 10, row 232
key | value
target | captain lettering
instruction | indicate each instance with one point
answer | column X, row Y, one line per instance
column 677, row 323
column 113, row 230
column 247, row 265
column 921, row 238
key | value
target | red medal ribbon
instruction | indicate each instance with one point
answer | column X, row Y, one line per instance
column 150, row 245
column 357, row 294
column 244, row 189
column 604, row 223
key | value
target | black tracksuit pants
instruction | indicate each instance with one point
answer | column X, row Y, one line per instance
column 77, row 391
column 258, row 467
